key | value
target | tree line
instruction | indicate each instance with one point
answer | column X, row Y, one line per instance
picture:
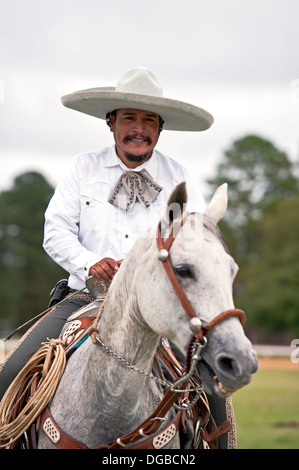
column 27, row 273
column 261, row 229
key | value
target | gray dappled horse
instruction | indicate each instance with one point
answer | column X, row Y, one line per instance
column 99, row 399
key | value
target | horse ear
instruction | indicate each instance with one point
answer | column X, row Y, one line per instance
column 218, row 204
column 176, row 202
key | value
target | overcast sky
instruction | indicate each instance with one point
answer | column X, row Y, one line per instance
column 237, row 59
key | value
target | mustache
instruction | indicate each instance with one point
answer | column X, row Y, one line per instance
column 137, row 137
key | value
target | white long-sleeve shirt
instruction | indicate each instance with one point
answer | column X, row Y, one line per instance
column 82, row 227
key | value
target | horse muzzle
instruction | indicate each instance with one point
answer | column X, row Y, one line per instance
column 227, row 372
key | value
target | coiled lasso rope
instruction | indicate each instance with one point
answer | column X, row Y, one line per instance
column 53, row 357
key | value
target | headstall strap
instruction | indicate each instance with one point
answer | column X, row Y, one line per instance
column 164, row 248
column 234, row 312
column 168, row 267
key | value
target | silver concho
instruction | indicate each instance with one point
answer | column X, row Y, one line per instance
column 195, row 325
column 163, row 255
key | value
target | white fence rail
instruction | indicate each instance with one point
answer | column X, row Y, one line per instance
column 269, row 350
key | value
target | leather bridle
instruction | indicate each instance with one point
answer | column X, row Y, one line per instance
column 196, row 325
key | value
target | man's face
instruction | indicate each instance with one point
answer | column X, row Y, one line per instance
column 136, row 134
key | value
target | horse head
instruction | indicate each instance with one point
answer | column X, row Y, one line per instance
column 204, row 271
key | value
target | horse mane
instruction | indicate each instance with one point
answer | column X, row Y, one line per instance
column 210, row 225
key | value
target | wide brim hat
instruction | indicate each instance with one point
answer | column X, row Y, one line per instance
column 139, row 89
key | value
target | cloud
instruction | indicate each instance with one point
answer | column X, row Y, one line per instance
column 237, row 60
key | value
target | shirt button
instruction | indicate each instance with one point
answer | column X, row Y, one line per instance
column 126, row 236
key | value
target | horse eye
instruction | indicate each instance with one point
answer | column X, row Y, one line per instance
column 184, row 271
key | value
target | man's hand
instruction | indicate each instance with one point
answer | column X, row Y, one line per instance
column 105, row 269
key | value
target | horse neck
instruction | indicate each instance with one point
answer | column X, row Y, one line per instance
column 110, row 386
column 122, row 327
column 123, row 330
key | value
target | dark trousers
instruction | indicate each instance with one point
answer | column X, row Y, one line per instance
column 48, row 326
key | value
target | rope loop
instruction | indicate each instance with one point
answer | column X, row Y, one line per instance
column 48, row 365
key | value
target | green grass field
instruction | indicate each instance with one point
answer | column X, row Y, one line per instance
column 267, row 410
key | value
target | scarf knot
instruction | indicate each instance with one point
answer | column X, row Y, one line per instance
column 134, row 187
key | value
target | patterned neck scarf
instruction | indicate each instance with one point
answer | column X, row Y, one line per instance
column 134, row 187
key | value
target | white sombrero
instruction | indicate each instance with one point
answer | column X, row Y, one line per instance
column 139, row 89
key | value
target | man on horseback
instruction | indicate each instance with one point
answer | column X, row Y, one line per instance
column 107, row 199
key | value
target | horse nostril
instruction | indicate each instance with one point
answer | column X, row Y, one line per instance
column 228, row 366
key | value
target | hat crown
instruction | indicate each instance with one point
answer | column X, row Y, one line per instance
column 140, row 80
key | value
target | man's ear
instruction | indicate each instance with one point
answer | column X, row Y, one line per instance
column 112, row 123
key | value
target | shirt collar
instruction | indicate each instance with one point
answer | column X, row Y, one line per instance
column 150, row 165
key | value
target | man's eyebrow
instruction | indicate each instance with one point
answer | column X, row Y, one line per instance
column 132, row 113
